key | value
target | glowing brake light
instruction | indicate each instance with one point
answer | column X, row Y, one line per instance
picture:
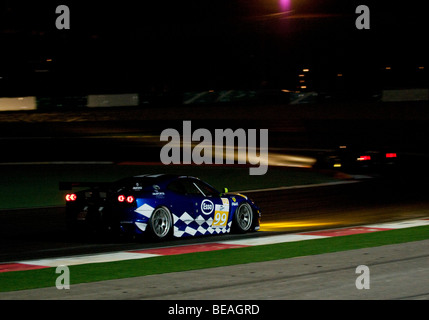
column 71, row 197
column 364, row 158
column 390, row 155
column 129, row 199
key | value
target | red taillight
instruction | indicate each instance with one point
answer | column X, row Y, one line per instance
column 364, row 158
column 122, row 198
column 71, row 197
column 391, row 155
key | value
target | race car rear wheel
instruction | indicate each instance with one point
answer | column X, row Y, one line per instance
column 243, row 218
column 160, row 223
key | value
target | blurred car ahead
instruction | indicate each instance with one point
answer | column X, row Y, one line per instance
column 359, row 160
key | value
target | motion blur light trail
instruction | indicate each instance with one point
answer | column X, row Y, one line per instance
column 292, row 225
column 274, row 158
column 231, row 154
column 286, row 160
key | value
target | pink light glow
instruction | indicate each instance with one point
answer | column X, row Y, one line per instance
column 285, row 5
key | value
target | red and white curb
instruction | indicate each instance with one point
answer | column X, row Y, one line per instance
column 221, row 245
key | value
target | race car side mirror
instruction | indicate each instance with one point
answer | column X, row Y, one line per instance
column 225, row 190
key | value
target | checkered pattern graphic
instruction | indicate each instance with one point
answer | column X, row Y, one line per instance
column 185, row 225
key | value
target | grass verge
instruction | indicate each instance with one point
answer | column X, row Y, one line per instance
column 20, row 280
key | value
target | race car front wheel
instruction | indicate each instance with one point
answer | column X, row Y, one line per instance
column 160, row 223
column 243, row 218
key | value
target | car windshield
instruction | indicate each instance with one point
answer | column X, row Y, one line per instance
column 205, row 189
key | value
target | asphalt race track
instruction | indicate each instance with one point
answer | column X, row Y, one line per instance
column 41, row 233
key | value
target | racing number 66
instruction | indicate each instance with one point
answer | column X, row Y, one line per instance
column 220, row 219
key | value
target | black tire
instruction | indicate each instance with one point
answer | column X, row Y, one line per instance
column 243, row 218
column 161, row 224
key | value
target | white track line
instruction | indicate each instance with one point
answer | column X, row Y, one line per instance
column 256, row 241
column 273, row 239
column 84, row 259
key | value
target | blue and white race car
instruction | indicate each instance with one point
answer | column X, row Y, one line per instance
column 161, row 205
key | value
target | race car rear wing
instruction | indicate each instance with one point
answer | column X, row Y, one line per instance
column 67, row 185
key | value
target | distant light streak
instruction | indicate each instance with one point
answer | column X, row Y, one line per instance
column 287, row 225
column 285, row 5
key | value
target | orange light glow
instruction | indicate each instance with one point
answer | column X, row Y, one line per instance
column 287, row 225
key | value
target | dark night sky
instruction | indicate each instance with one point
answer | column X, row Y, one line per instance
column 199, row 44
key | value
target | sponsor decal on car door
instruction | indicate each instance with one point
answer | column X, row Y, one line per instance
column 221, row 214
